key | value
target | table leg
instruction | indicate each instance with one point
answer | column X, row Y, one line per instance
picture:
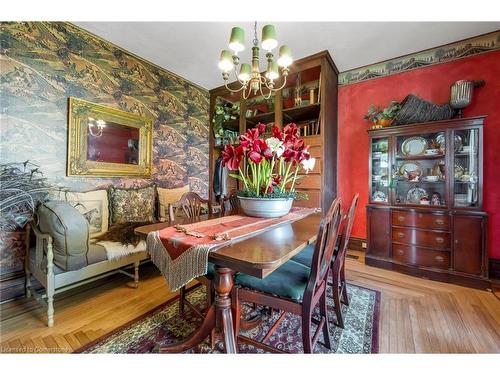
column 218, row 315
column 223, row 285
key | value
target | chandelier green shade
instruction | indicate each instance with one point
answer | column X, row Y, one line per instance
column 249, row 78
column 272, row 71
column 226, row 61
column 285, row 56
column 237, row 40
column 269, row 40
column 245, row 72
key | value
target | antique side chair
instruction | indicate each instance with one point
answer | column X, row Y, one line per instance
column 294, row 288
column 229, row 203
column 338, row 261
column 192, row 206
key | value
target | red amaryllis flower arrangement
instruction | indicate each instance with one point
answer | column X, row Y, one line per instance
column 271, row 164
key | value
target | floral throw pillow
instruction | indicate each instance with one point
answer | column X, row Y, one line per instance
column 132, row 205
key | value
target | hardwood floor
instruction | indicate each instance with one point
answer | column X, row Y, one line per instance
column 417, row 315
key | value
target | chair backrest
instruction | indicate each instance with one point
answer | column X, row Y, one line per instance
column 325, row 245
column 229, row 203
column 346, row 234
column 191, row 204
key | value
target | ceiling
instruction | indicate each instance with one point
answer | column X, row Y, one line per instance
column 191, row 49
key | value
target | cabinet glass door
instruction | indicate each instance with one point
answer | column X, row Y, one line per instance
column 379, row 179
column 419, row 169
column 466, row 168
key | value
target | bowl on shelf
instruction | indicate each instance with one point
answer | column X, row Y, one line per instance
column 431, row 151
column 431, row 178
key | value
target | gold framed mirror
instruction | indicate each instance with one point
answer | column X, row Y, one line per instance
column 107, row 142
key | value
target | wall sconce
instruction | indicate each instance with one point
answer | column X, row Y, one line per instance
column 96, row 127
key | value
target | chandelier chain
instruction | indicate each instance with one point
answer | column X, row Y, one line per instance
column 255, row 38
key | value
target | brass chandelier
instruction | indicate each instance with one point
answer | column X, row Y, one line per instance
column 249, row 76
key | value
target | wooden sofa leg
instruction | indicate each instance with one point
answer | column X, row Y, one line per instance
column 50, row 284
column 27, row 280
column 136, row 274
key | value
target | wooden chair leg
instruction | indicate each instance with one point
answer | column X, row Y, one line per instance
column 210, row 300
column 182, row 296
column 323, row 307
column 343, row 285
column 306, row 329
column 338, row 306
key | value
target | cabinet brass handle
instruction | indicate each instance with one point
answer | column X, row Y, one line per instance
column 401, row 235
column 439, row 221
column 439, row 239
column 401, row 218
column 439, row 258
column 401, row 252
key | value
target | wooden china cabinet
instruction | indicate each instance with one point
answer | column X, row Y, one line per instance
column 425, row 214
column 308, row 99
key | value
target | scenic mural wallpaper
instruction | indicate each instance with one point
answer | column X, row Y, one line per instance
column 44, row 63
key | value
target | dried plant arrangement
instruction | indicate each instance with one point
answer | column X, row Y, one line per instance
column 22, row 188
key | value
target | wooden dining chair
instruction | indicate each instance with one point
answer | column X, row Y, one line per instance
column 294, row 288
column 229, row 202
column 338, row 261
column 192, row 205
column 339, row 285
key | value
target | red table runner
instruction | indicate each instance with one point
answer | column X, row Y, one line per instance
column 181, row 252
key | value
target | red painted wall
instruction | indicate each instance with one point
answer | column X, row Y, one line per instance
column 431, row 83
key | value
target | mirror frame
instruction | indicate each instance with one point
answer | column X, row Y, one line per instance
column 78, row 112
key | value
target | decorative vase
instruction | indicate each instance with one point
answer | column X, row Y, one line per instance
column 266, row 207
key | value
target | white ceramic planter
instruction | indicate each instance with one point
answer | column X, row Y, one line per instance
column 265, row 207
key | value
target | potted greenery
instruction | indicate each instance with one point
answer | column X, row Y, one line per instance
column 223, row 113
column 382, row 117
column 270, row 170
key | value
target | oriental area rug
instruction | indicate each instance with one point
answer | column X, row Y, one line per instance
column 164, row 325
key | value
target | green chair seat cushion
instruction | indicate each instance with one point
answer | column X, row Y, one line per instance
column 305, row 256
column 210, row 271
column 289, row 281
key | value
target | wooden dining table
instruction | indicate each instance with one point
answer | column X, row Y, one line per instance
column 258, row 255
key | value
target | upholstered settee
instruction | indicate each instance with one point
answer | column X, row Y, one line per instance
column 70, row 250
column 64, row 256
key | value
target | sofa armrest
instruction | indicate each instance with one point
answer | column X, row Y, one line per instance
column 41, row 240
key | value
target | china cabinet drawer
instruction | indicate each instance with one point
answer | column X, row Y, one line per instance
column 421, row 237
column 420, row 220
column 313, row 201
column 420, row 257
column 315, row 151
column 313, row 140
